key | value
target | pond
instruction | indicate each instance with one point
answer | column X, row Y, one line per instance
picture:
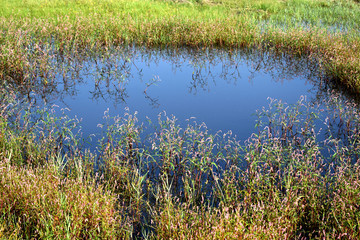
column 306, row 145
column 221, row 88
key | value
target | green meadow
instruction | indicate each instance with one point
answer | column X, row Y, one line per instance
column 285, row 182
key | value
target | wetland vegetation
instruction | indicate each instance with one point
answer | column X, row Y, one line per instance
column 295, row 177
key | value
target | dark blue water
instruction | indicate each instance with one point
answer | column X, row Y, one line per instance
column 220, row 88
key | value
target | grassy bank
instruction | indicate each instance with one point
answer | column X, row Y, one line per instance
column 297, row 177
column 327, row 31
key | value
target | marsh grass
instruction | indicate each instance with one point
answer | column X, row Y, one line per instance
column 296, row 177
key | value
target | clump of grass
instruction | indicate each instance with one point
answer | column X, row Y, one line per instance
column 39, row 203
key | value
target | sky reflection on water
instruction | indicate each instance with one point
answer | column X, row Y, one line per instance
column 218, row 87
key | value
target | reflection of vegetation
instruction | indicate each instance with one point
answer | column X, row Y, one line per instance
column 110, row 74
column 286, row 180
column 154, row 102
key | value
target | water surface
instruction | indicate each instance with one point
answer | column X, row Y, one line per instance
column 221, row 88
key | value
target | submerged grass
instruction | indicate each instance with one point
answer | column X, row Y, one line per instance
column 297, row 177
column 327, row 31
